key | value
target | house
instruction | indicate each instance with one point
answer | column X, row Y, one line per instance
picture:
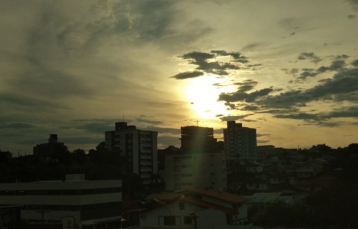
column 196, row 208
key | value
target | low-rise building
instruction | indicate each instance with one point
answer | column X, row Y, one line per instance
column 85, row 203
column 196, row 209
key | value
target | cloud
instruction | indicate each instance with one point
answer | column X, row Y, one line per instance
column 250, row 108
column 251, row 46
column 354, row 4
column 187, row 75
column 351, row 16
column 355, row 63
column 207, row 62
column 234, row 118
column 16, row 125
column 243, row 96
column 343, row 56
column 246, row 85
column 146, row 119
column 336, row 65
column 301, row 116
column 289, row 23
column 309, row 56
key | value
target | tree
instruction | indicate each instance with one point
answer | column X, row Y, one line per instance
column 5, row 156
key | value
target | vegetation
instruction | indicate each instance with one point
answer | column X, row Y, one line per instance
column 336, row 205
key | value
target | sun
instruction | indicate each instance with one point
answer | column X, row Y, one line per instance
column 203, row 96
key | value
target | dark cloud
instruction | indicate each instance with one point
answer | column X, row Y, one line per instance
column 351, row 16
column 343, row 83
column 234, row 118
column 96, row 127
column 355, row 63
column 250, row 108
column 289, row 23
column 187, row 75
column 306, row 74
column 292, row 71
column 343, row 56
column 309, row 56
column 82, row 140
column 207, row 63
column 243, row 96
column 336, row 65
column 16, row 125
column 301, row 116
column 146, row 119
column 246, row 85
column 354, row 4
column 29, row 102
column 251, row 46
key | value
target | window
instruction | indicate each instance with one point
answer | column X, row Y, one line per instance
column 181, row 206
column 169, row 220
column 188, row 220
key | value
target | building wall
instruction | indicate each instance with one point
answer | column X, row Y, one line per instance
column 195, row 170
column 211, row 219
column 56, row 199
column 240, row 142
column 153, row 218
column 138, row 146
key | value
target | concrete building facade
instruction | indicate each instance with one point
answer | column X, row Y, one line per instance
column 198, row 164
column 138, row 147
column 195, row 170
column 240, row 142
column 86, row 204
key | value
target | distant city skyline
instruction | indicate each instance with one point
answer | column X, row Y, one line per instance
column 289, row 69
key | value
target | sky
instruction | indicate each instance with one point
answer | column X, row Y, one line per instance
column 74, row 68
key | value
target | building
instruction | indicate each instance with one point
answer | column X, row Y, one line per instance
column 195, row 139
column 87, row 204
column 198, row 164
column 195, row 170
column 240, row 142
column 139, row 148
column 196, row 209
column 46, row 150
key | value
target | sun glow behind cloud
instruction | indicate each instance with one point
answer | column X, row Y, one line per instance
column 203, row 95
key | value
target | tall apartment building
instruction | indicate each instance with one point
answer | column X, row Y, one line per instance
column 195, row 139
column 76, row 201
column 240, row 142
column 139, row 147
column 198, row 164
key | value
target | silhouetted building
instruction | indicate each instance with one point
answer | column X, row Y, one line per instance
column 198, row 164
column 46, row 204
column 46, row 150
column 139, row 147
column 195, row 139
column 240, row 142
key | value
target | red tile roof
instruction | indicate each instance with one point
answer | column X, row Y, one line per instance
column 225, row 196
column 205, row 204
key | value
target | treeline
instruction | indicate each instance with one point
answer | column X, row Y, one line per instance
column 333, row 206
column 98, row 164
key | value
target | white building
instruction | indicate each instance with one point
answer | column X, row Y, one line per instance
column 91, row 204
column 195, row 170
column 199, row 209
column 240, row 142
column 139, row 147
